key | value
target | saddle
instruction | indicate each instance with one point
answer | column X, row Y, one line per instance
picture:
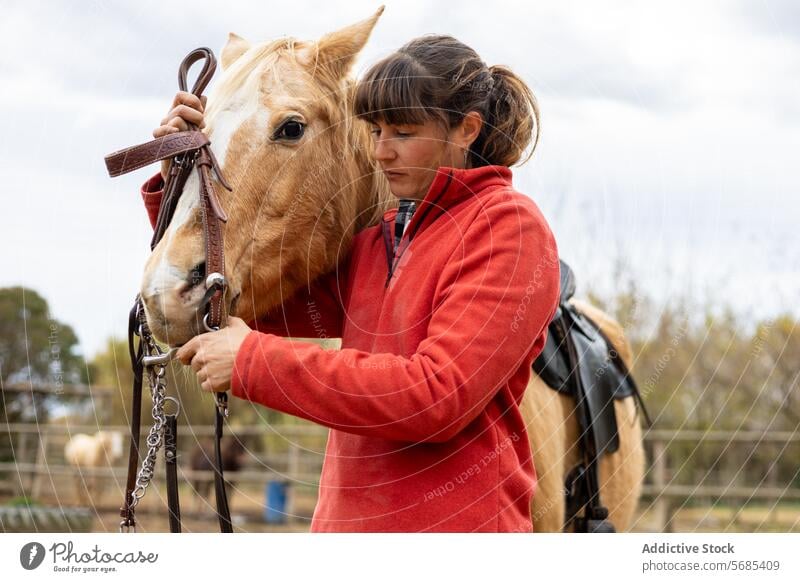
column 580, row 361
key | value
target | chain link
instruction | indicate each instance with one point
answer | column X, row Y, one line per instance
column 156, row 375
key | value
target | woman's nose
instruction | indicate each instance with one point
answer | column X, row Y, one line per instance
column 383, row 151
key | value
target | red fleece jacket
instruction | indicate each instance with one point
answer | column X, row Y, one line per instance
column 423, row 398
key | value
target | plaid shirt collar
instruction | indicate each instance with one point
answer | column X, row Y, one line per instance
column 404, row 213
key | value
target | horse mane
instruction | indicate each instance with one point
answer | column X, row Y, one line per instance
column 378, row 198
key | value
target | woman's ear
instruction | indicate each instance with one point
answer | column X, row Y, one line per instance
column 468, row 130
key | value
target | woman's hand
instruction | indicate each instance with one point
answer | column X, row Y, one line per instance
column 212, row 355
column 186, row 108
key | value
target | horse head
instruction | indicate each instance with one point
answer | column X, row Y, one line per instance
column 302, row 181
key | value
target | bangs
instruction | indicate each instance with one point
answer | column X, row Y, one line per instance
column 396, row 91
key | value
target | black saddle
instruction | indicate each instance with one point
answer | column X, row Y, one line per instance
column 580, row 361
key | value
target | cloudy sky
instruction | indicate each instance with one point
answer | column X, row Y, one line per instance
column 669, row 133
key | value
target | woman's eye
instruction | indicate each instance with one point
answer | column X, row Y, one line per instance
column 291, row 130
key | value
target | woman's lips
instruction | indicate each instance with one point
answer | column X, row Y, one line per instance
column 393, row 175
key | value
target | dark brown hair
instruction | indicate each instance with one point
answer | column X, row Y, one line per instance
column 439, row 77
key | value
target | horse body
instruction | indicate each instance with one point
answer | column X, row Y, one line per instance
column 293, row 212
column 82, row 451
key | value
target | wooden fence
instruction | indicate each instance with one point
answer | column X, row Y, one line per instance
column 39, row 460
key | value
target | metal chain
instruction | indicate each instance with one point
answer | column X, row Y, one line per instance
column 156, row 375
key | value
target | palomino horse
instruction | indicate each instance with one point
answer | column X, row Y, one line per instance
column 321, row 187
column 84, row 451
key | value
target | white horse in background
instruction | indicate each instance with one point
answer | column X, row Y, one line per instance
column 84, row 451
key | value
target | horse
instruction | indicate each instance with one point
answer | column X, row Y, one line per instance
column 82, row 451
column 322, row 193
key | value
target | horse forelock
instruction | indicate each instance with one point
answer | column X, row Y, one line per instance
column 259, row 57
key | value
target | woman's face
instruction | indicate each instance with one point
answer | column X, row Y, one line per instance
column 409, row 155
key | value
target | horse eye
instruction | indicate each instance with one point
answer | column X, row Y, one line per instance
column 291, row 130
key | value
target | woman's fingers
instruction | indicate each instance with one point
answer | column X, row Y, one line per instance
column 189, row 107
column 186, row 113
column 190, row 99
column 186, row 108
column 178, row 123
column 163, row 130
column 172, row 126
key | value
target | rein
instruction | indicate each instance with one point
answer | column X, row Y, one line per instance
column 187, row 151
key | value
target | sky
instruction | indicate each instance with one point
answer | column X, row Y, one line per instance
column 669, row 134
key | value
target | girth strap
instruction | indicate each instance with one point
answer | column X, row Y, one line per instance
column 583, row 483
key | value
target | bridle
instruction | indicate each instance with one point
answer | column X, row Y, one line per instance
column 186, row 151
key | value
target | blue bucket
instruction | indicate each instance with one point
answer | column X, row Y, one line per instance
column 275, row 510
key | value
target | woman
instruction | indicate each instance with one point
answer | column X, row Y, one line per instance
column 445, row 306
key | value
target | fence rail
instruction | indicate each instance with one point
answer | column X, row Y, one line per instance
column 300, row 464
column 40, row 470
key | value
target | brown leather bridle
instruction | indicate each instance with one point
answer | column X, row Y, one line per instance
column 186, row 151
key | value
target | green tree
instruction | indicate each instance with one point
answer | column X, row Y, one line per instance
column 35, row 350
column 34, row 346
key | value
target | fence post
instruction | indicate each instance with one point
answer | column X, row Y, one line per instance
column 20, row 454
column 662, row 505
column 41, row 456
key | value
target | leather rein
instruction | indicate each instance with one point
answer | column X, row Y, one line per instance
column 187, row 151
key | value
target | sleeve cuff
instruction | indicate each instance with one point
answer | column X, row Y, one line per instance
column 152, row 192
column 153, row 186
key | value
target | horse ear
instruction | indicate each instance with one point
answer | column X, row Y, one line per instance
column 234, row 48
column 338, row 50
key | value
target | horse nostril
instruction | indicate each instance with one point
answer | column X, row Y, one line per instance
column 197, row 275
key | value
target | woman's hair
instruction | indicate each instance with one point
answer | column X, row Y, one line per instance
column 439, row 77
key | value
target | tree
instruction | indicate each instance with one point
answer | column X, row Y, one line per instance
column 35, row 349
